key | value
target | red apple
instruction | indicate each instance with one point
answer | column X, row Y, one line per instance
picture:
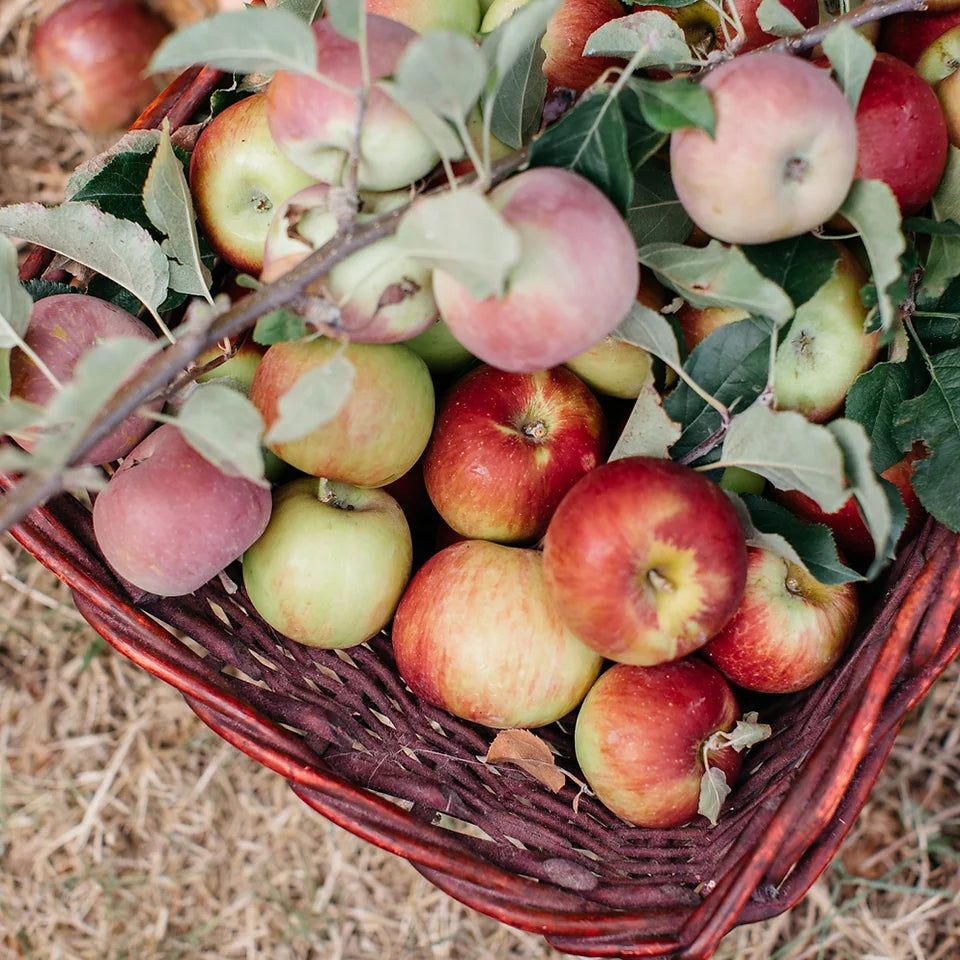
column 169, row 520
column 506, row 447
column 91, row 56
column 567, row 33
column 308, row 118
column 761, row 179
column 383, row 425
column 329, row 568
column 238, row 179
column 549, row 312
column 640, row 739
column 907, row 35
column 789, row 630
column 697, row 323
column 645, row 560
column 475, row 634
column 62, row 329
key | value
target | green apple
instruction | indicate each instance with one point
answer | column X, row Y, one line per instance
column 461, row 16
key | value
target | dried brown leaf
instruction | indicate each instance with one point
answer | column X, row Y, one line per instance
column 527, row 751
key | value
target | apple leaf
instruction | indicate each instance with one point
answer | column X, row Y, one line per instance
column 315, row 398
column 669, row 105
column 440, row 134
column 347, row 17
column 800, row 265
column 643, row 141
column 873, row 210
column 714, row 789
column 850, row 54
column 655, row 215
column 167, row 201
column 118, row 249
column 651, row 331
column 525, row 26
column 672, row 4
column 118, row 172
column 527, row 751
column 464, row 235
column 791, row 452
column 932, row 228
column 443, row 70
column 649, row 431
column 279, row 326
column 306, row 10
column 731, row 364
column 252, row 40
column 591, row 139
column 39, row 289
column 774, row 18
column 934, row 419
column 15, row 303
column 874, row 400
column 517, row 103
column 16, row 414
column 717, row 276
column 746, row 733
column 225, row 428
column 648, row 38
column 943, row 259
column 810, row 545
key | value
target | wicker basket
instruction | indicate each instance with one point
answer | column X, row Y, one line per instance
column 356, row 746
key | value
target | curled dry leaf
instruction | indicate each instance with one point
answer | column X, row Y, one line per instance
column 527, row 751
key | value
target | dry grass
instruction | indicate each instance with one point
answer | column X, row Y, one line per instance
column 129, row 830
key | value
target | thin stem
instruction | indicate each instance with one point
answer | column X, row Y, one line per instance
column 707, row 398
column 483, row 170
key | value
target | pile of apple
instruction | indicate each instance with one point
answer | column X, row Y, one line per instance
column 473, row 433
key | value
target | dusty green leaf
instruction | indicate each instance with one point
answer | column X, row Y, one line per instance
column 714, row 789
column 943, row 259
column 653, row 35
column 800, row 265
column 516, row 107
column 15, row 303
column 851, row 56
column 313, row 400
column 649, row 431
column 278, row 326
column 504, row 46
column 347, row 17
column 650, row 330
column 747, row 733
column 774, row 18
column 436, row 129
column 655, row 215
column 669, row 105
column 444, row 71
column 306, row 10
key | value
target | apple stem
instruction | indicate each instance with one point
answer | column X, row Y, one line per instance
column 536, row 430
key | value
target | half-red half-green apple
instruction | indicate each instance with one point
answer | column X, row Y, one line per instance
column 645, row 560
column 760, row 179
column 566, row 35
column 506, row 447
column 461, row 16
column 475, row 634
column 789, row 631
column 169, row 520
column 309, row 118
column 574, row 282
column 383, row 424
column 640, row 739
column 908, row 36
column 330, row 567
column 238, row 179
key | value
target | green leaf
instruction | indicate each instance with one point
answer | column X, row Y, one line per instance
column 167, row 201
column 800, row 265
column 118, row 249
column 746, row 733
column 648, row 432
column 591, row 139
column 716, row 276
column 278, row 326
column 774, row 18
column 315, row 398
column 131, row 144
column 809, row 544
column 791, row 452
column 252, row 40
column 865, row 484
column 934, row 418
column 655, row 215
column 118, row 188
column 16, row 414
column 669, row 105
column 651, row 331
column 507, row 44
column 851, row 56
column 517, row 107
column 39, row 289
column 306, row 10
column 943, row 260
column 874, row 400
column 651, row 31
column 463, row 234
column 714, row 789
column 642, row 140
column 932, row 228
column 437, row 130
column 15, row 303
column 872, row 209
column 346, row 17
column 731, row 364
column 443, row 70
column 672, row 4
column 225, row 428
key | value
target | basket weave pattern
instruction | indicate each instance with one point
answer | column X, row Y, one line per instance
column 359, row 748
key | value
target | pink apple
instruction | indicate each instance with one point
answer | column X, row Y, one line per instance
column 640, row 735
column 506, row 447
column 238, row 178
column 789, row 631
column 907, row 35
column 308, row 118
column 475, row 634
column 91, row 57
column 62, row 329
column 697, row 323
column 575, row 281
column 329, row 568
column 645, row 560
column 383, row 425
column 169, row 520
column 761, row 179
column 462, row 16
